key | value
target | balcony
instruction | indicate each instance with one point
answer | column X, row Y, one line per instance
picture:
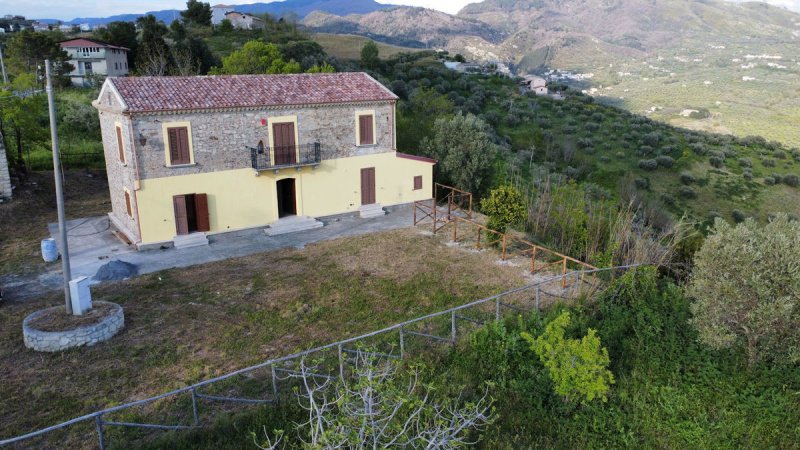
column 285, row 157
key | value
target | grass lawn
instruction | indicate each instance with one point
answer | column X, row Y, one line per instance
column 185, row 325
column 348, row 46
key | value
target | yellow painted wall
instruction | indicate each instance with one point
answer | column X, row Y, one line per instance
column 239, row 199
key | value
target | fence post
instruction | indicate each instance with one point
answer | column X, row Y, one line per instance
column 470, row 205
column 402, row 344
column 194, row 408
column 415, row 213
column 453, row 327
column 275, row 393
column 101, row 438
column 478, row 244
column 533, row 259
column 434, row 215
column 538, row 288
column 497, row 309
column 455, row 231
column 563, row 275
column 504, row 247
column 449, row 205
column 341, row 362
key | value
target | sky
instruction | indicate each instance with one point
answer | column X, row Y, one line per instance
column 69, row 9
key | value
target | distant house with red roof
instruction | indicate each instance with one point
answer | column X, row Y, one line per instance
column 189, row 157
column 92, row 58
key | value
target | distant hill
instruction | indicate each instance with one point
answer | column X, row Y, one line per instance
column 299, row 7
column 740, row 62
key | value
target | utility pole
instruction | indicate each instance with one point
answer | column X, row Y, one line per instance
column 3, row 66
column 62, row 226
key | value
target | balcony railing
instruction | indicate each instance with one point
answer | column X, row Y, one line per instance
column 285, row 156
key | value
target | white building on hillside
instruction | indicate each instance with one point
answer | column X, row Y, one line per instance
column 90, row 57
column 218, row 13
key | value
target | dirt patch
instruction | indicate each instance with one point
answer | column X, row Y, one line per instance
column 56, row 319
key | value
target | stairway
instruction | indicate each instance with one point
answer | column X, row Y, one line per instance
column 190, row 240
column 369, row 211
column 292, row 224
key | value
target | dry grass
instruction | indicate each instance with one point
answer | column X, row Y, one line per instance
column 348, row 46
column 184, row 325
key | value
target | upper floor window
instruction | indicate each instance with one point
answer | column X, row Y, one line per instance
column 120, row 147
column 179, row 145
column 366, row 129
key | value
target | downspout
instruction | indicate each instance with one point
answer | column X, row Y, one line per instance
column 136, row 180
column 394, row 126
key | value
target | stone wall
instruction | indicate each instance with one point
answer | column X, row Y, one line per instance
column 121, row 175
column 220, row 139
column 5, row 178
column 54, row 341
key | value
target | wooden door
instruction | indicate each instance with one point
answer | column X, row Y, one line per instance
column 181, row 216
column 368, row 186
column 283, row 140
column 201, row 212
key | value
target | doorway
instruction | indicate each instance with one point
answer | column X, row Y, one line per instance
column 287, row 199
column 368, row 186
column 191, row 213
column 283, row 140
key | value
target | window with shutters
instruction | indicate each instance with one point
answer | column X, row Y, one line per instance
column 418, row 182
column 365, row 129
column 128, row 203
column 120, row 146
column 178, row 144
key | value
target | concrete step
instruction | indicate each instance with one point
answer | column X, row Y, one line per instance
column 292, row 224
column 373, row 210
column 190, row 240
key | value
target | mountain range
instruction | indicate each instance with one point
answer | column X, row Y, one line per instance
column 300, row 8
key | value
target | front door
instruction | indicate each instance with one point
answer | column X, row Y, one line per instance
column 287, row 204
column 368, row 186
column 283, row 140
column 191, row 213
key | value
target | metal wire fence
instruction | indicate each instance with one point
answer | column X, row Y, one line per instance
column 192, row 406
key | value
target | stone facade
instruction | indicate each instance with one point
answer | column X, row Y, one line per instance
column 121, row 175
column 5, row 178
column 52, row 341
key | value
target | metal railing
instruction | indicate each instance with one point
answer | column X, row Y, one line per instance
column 399, row 336
column 268, row 158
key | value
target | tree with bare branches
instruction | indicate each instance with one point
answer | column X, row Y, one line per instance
column 380, row 406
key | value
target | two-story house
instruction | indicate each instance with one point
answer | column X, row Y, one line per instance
column 91, row 57
column 213, row 154
column 245, row 21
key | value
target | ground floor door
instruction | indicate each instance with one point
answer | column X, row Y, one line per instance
column 287, row 198
column 368, row 186
column 191, row 213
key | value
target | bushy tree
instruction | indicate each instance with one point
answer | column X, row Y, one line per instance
column 26, row 51
column 256, row 57
column 197, row 13
column 369, row 55
column 122, row 34
column 504, row 206
column 746, row 286
column 578, row 368
column 465, row 151
column 21, row 119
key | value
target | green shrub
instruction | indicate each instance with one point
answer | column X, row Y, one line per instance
column 687, row 178
column 780, row 154
column 791, row 180
column 768, row 162
column 648, row 164
column 665, row 161
column 769, row 181
column 642, row 183
column 745, row 162
column 747, row 176
column 668, row 199
column 687, row 192
column 738, row 216
column 699, row 148
column 716, row 162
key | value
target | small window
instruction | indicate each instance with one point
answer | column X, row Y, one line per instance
column 128, row 203
column 178, row 141
column 120, row 147
column 116, row 66
column 418, row 182
column 365, row 134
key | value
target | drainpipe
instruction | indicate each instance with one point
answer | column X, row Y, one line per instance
column 137, row 178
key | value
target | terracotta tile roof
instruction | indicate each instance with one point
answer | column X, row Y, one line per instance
column 416, row 158
column 149, row 94
column 84, row 42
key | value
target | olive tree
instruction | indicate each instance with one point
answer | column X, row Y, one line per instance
column 504, row 206
column 465, row 151
column 746, row 289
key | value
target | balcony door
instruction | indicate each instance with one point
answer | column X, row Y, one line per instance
column 283, row 140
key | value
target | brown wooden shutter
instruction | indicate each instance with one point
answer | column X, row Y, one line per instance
column 120, row 148
column 365, row 130
column 128, row 203
column 201, row 212
column 179, row 152
column 418, row 182
column 368, row 186
column 181, row 218
column 183, row 140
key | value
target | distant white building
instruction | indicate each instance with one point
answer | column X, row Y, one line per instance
column 86, row 27
column 245, row 21
column 537, row 84
column 218, row 13
column 91, row 57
